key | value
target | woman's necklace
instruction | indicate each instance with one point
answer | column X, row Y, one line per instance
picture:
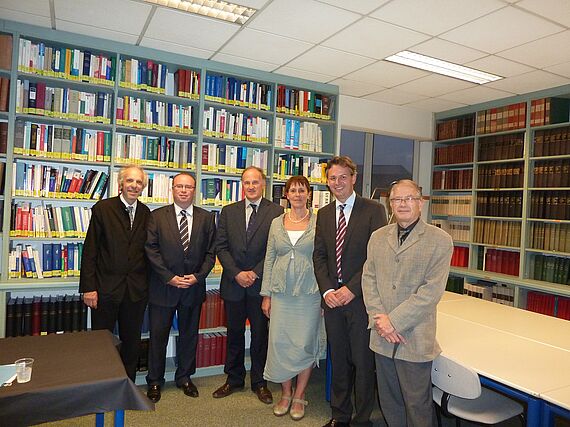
column 298, row 220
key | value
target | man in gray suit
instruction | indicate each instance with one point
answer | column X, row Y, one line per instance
column 403, row 279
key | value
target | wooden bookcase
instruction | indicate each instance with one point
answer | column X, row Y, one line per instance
column 163, row 111
column 500, row 186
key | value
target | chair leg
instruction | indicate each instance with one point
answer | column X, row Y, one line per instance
column 522, row 419
column 457, row 422
column 438, row 414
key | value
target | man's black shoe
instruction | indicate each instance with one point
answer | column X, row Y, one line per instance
column 189, row 389
column 153, row 392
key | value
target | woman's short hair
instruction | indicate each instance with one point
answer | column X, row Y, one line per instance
column 297, row 179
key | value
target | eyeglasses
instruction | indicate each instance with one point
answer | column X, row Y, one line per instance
column 184, row 187
column 340, row 178
column 407, row 199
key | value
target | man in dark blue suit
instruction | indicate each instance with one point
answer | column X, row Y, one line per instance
column 180, row 248
column 243, row 229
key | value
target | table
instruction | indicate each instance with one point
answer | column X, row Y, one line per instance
column 74, row 374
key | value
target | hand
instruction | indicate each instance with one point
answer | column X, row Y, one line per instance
column 191, row 279
column 90, row 299
column 395, row 338
column 179, row 282
column 331, row 300
column 344, row 295
column 246, row 278
column 266, row 306
column 383, row 325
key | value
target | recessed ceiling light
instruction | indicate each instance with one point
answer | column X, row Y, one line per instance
column 217, row 9
column 449, row 69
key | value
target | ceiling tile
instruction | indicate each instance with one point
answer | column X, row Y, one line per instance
column 357, row 89
column 556, row 10
column 34, row 7
column 244, row 62
column 448, row 51
column 560, row 69
column 434, row 85
column 85, row 12
column 500, row 30
column 435, row 105
column 500, row 66
column 255, row 4
column 395, row 96
column 102, row 33
column 185, row 28
column 543, row 52
column 386, row 74
column 329, row 61
column 176, row 48
column 26, row 18
column 272, row 48
column 475, row 95
column 316, row 22
column 373, row 38
column 529, row 82
column 443, row 15
column 303, row 74
column 358, row 6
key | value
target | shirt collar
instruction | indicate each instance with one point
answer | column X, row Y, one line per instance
column 349, row 202
column 255, row 202
column 409, row 228
column 134, row 205
column 189, row 210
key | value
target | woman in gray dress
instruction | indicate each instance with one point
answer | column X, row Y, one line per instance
column 291, row 300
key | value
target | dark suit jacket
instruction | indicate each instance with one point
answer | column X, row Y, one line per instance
column 235, row 253
column 166, row 255
column 114, row 261
column 366, row 217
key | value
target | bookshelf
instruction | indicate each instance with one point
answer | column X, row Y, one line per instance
column 106, row 104
column 500, row 187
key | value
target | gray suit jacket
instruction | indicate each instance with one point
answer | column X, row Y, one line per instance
column 406, row 282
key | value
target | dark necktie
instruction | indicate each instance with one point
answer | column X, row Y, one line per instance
column 184, row 231
column 251, row 223
column 340, row 233
column 402, row 235
column 131, row 215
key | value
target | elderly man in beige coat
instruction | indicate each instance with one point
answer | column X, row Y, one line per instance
column 403, row 279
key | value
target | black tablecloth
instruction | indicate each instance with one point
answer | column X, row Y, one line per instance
column 74, row 374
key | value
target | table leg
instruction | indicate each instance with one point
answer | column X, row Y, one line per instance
column 119, row 418
column 100, row 420
column 549, row 411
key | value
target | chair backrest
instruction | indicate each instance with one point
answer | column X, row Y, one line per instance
column 455, row 379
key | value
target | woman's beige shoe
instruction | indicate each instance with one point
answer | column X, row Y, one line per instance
column 297, row 414
column 279, row 411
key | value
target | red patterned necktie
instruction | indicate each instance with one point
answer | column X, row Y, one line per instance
column 340, row 232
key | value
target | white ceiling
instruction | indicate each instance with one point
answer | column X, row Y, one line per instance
column 344, row 42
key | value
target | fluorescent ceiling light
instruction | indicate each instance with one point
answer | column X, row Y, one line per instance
column 442, row 67
column 223, row 10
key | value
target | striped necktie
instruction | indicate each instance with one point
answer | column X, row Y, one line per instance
column 184, row 231
column 131, row 215
column 340, row 233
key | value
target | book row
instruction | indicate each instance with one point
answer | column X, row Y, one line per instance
column 504, row 262
column 232, row 159
column 318, row 198
column 49, row 221
column 211, row 349
column 453, row 154
column 501, row 147
column 3, row 137
column 66, row 63
column 60, row 182
column 502, row 119
column 220, row 191
column 455, row 128
column 458, row 230
column 52, row 260
column 4, row 93
column 496, row 232
column 5, row 51
column 61, row 142
column 549, row 236
column 151, row 76
column 550, row 305
column 157, row 151
column 42, row 315
column 490, row 291
column 304, row 103
column 297, row 135
column 552, row 173
column 456, row 179
column 505, row 175
column 552, row 142
column 550, row 204
column 553, row 269
column 460, row 257
column 451, row 205
column 235, row 126
column 63, row 103
column 547, row 111
column 239, row 93
column 288, row 165
column 151, row 114
column 504, row 204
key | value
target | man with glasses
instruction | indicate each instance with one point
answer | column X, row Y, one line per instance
column 343, row 229
column 403, row 280
column 180, row 248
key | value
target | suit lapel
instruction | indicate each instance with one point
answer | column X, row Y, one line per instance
column 413, row 237
column 172, row 222
column 241, row 224
column 196, row 224
column 123, row 216
column 261, row 214
column 353, row 219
